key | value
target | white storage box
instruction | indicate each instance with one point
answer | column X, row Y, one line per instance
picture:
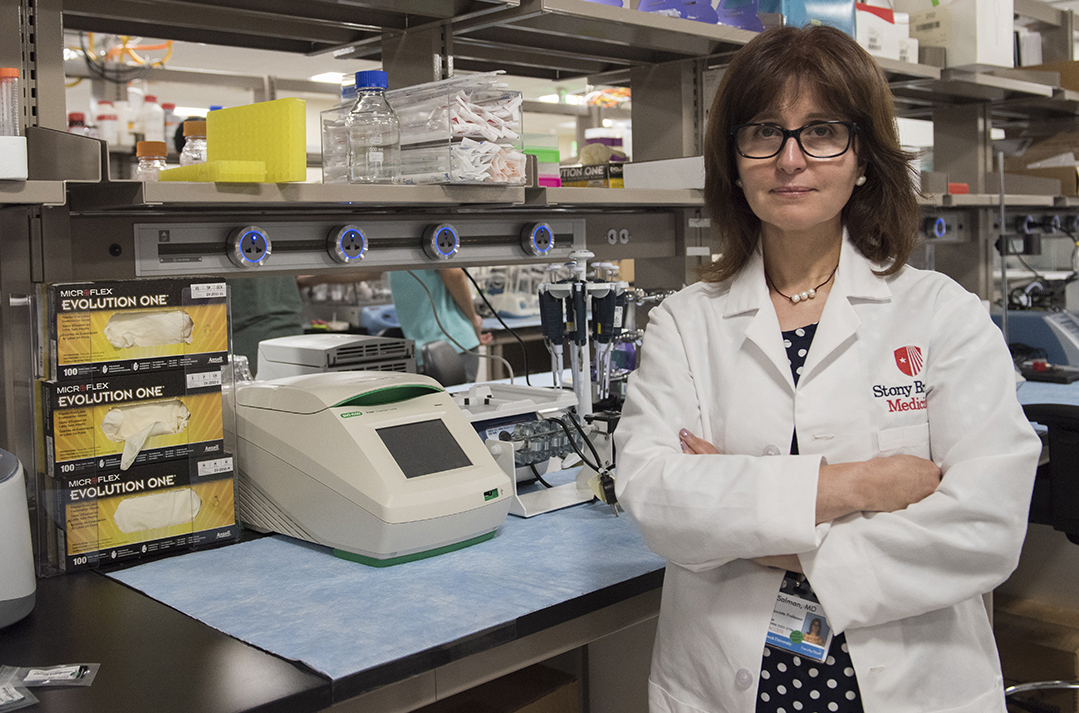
column 876, row 31
column 460, row 130
column 973, row 32
column 666, row 173
column 13, row 166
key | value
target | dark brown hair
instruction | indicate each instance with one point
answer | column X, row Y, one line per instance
column 882, row 215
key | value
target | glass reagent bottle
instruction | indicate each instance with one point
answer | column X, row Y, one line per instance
column 374, row 133
column 194, row 144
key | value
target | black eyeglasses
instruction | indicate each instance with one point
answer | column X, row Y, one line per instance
column 820, row 139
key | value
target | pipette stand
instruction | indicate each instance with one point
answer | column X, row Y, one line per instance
column 539, row 501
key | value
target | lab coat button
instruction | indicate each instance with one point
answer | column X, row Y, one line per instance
column 771, row 450
column 743, row 679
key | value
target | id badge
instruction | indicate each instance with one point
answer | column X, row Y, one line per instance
column 799, row 624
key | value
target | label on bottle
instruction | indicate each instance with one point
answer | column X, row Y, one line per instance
column 374, row 156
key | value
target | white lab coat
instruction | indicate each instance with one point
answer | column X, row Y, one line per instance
column 904, row 586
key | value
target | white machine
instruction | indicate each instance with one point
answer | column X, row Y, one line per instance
column 18, row 586
column 317, row 353
column 382, row 467
column 519, row 426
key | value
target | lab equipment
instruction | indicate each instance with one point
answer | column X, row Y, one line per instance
column 271, row 133
column 1057, row 333
column 460, row 130
column 108, row 128
column 517, row 425
column 512, row 291
column 76, row 124
column 171, row 120
column 18, row 586
column 194, row 143
column 151, row 120
column 13, row 164
column 315, row 353
column 580, row 296
column 10, row 125
column 374, row 133
column 384, row 468
column 335, row 137
column 151, row 155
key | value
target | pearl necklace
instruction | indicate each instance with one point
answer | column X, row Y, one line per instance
column 800, row 296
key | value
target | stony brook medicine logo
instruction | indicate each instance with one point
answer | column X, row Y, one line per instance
column 909, row 360
column 908, row 396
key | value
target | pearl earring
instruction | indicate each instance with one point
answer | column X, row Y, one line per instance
column 860, row 181
column 738, row 182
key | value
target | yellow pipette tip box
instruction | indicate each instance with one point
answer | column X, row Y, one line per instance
column 218, row 172
column 274, row 132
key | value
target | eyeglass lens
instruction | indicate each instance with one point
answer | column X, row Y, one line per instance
column 817, row 140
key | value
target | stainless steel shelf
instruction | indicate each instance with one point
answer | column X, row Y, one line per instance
column 131, row 195
column 897, row 71
column 574, row 37
column 32, row 193
column 620, row 197
column 988, row 200
column 285, row 25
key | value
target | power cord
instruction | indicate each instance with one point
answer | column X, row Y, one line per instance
column 573, row 443
column 539, row 477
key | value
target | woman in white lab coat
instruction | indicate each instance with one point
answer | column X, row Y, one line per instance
column 817, row 429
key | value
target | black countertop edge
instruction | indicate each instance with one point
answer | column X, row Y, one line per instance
column 153, row 657
column 403, row 668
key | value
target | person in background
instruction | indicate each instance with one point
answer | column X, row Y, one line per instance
column 817, row 421
column 263, row 307
column 424, row 298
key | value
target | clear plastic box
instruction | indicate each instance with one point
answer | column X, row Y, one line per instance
column 460, row 130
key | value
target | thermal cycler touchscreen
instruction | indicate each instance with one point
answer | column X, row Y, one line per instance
column 423, row 448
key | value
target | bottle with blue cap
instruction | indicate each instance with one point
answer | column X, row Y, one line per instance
column 374, row 133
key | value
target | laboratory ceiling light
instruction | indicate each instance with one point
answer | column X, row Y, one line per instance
column 328, row 77
column 190, row 111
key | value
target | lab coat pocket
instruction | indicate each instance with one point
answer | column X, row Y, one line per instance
column 908, row 440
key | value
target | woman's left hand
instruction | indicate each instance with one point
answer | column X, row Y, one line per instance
column 692, row 445
column 695, row 446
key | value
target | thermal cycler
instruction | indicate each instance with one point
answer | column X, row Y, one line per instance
column 382, row 467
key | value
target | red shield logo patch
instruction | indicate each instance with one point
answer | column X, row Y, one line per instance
column 909, row 360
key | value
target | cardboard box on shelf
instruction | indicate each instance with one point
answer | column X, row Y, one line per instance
column 135, row 326
column 606, row 175
column 974, row 32
column 1050, row 157
column 876, row 31
column 908, row 50
column 1038, row 643
column 536, row 689
column 665, row 173
column 1068, row 71
column 798, row 13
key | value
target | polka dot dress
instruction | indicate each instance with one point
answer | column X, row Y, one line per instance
column 790, row 683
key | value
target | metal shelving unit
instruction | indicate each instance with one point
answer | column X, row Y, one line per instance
column 132, row 195
column 664, row 59
column 50, row 193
